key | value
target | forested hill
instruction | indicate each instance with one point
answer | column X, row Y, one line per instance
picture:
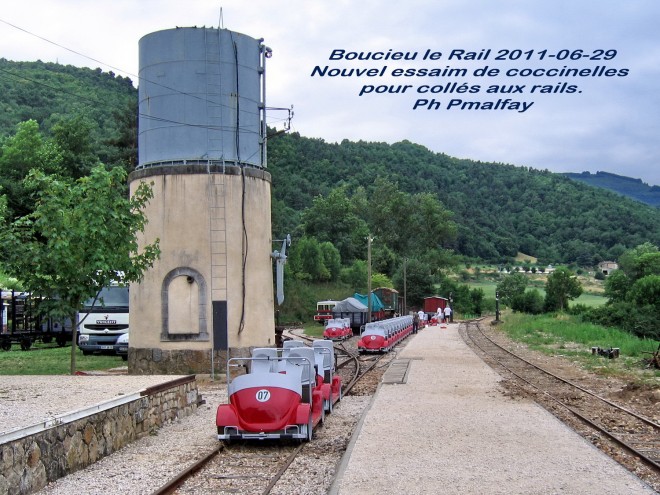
column 50, row 93
column 499, row 209
column 633, row 188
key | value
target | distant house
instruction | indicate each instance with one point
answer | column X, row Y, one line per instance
column 549, row 269
column 608, row 266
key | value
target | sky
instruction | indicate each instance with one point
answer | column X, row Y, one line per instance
column 517, row 107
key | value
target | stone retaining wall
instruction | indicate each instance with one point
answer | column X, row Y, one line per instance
column 71, row 443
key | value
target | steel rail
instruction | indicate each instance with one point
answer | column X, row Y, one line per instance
column 171, row 486
column 283, row 469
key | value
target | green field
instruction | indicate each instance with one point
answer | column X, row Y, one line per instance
column 48, row 359
column 591, row 300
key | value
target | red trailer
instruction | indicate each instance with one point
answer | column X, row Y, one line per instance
column 432, row 303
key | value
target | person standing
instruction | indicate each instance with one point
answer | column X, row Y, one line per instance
column 415, row 322
column 421, row 315
column 447, row 313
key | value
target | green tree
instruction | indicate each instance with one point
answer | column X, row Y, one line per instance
column 380, row 280
column 646, row 291
column 333, row 219
column 617, row 285
column 419, row 283
column 561, row 287
column 432, row 223
column 73, row 135
column 530, row 301
column 477, row 295
column 355, row 276
column 306, row 260
column 331, row 259
column 25, row 150
column 80, row 237
column 635, row 261
column 511, row 286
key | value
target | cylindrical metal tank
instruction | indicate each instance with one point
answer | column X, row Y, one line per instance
column 202, row 149
column 200, row 98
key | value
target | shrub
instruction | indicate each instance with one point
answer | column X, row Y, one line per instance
column 531, row 302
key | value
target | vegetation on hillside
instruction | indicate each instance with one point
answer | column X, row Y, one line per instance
column 68, row 101
column 633, row 293
column 499, row 210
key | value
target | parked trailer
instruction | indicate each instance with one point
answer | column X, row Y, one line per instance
column 432, row 303
column 357, row 312
column 390, row 299
column 22, row 324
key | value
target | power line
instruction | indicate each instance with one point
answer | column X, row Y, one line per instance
column 140, row 79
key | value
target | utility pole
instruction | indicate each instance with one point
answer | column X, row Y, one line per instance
column 369, row 240
column 405, row 288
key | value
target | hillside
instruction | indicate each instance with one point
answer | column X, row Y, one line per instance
column 48, row 92
column 632, row 188
column 500, row 209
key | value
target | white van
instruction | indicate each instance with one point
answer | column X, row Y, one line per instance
column 103, row 320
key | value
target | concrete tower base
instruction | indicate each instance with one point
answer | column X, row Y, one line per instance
column 212, row 288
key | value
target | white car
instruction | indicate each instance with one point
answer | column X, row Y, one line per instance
column 121, row 346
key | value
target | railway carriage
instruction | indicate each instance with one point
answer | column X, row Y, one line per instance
column 390, row 299
column 324, row 310
column 338, row 329
column 382, row 336
column 285, row 394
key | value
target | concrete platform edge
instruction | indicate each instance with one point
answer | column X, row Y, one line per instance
column 345, row 459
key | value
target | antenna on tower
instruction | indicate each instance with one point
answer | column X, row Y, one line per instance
column 221, row 22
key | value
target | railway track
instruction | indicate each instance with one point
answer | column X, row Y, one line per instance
column 250, row 468
column 240, row 468
column 632, row 439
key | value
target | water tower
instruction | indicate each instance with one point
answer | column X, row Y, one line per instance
column 202, row 145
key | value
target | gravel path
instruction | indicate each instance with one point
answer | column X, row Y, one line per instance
column 152, row 461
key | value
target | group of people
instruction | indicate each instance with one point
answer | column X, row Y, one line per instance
column 421, row 318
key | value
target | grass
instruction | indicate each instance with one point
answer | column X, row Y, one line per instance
column 568, row 336
column 48, row 359
column 314, row 329
column 588, row 299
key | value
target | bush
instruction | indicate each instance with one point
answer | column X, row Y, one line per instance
column 642, row 321
column 578, row 309
column 531, row 302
